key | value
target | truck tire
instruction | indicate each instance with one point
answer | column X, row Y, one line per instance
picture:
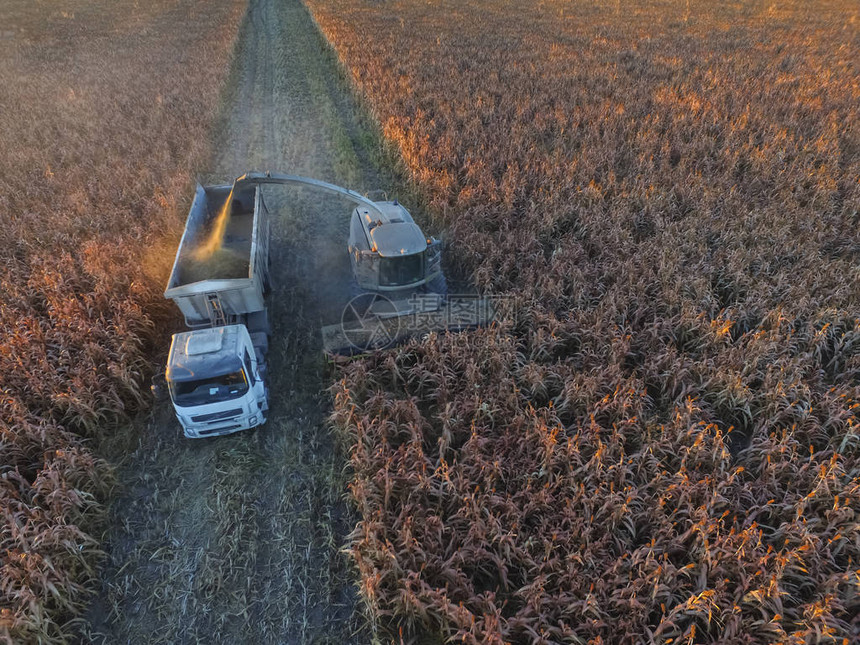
column 267, row 283
column 263, row 370
column 260, row 341
column 258, row 322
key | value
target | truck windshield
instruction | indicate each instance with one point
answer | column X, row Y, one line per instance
column 403, row 270
column 209, row 390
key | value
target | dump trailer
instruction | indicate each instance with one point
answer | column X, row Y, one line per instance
column 216, row 371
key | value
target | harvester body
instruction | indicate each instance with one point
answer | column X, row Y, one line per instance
column 402, row 291
column 388, row 251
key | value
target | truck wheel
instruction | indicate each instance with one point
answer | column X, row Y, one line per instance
column 258, row 322
column 260, row 342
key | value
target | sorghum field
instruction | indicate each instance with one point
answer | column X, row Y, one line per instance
column 104, row 109
column 658, row 442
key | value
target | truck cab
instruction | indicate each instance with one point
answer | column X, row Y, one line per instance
column 216, row 380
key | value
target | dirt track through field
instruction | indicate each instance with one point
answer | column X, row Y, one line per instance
column 236, row 539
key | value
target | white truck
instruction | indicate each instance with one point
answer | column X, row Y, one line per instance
column 216, row 372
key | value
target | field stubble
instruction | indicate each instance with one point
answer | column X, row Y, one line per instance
column 104, row 109
column 660, row 442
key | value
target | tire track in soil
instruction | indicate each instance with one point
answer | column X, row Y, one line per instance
column 236, row 539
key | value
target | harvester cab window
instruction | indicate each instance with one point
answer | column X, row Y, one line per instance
column 403, row 270
column 214, row 389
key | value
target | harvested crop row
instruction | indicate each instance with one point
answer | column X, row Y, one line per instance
column 104, row 111
column 660, row 439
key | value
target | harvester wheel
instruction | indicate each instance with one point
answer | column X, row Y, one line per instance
column 438, row 285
